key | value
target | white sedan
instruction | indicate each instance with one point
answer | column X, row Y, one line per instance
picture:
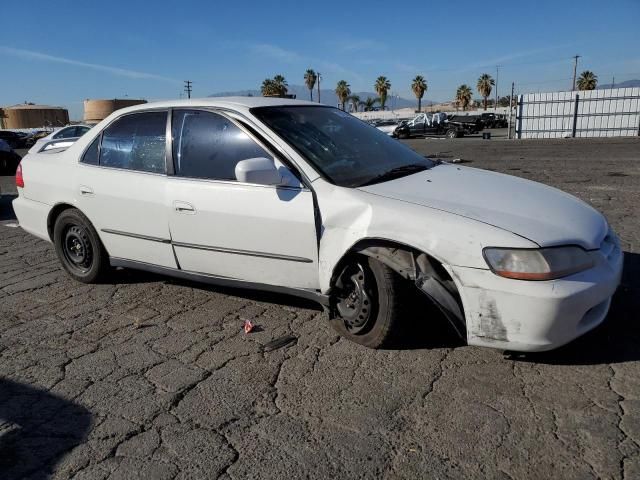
column 293, row 196
column 60, row 138
column 386, row 126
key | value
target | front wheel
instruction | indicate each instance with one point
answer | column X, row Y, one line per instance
column 79, row 248
column 451, row 133
column 368, row 302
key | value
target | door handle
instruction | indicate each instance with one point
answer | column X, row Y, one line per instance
column 184, row 207
column 84, row 190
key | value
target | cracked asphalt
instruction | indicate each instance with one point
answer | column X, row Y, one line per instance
column 147, row 377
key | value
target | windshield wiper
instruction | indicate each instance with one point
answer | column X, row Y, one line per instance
column 397, row 172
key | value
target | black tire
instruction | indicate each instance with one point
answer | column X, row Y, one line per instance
column 385, row 293
column 79, row 248
column 451, row 133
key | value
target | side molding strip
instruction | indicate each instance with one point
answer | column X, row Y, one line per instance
column 135, row 235
column 250, row 253
column 231, row 251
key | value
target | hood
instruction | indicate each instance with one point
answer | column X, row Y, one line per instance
column 542, row 214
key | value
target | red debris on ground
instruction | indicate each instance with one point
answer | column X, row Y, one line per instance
column 248, row 326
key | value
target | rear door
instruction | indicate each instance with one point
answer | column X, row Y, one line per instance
column 121, row 186
column 256, row 233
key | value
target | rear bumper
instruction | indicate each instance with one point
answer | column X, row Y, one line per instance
column 32, row 216
column 536, row 316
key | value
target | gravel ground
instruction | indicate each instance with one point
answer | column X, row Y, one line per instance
column 147, row 377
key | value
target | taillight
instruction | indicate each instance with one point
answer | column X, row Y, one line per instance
column 19, row 179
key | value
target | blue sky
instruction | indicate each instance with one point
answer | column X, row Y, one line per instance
column 62, row 52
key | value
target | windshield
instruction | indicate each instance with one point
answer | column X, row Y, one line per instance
column 345, row 150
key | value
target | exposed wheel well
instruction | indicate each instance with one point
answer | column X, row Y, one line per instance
column 53, row 216
column 417, row 267
column 395, row 255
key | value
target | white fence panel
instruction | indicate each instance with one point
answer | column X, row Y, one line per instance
column 594, row 113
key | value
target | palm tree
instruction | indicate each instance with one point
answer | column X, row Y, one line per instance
column 484, row 86
column 463, row 96
column 281, row 84
column 268, row 88
column 419, row 86
column 369, row 103
column 382, row 86
column 343, row 91
column 355, row 102
column 310, row 78
column 587, row 80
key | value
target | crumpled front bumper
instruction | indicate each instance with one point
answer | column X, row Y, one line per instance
column 533, row 316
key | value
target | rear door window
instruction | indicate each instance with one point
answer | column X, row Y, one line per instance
column 135, row 142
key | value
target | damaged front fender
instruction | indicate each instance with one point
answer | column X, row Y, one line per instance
column 419, row 268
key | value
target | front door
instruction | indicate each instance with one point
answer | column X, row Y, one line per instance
column 256, row 233
column 121, row 186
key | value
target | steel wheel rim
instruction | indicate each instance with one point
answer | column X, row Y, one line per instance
column 77, row 248
column 354, row 304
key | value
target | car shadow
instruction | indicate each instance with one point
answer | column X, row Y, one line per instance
column 250, row 294
column 37, row 429
column 6, row 208
column 424, row 326
column 616, row 340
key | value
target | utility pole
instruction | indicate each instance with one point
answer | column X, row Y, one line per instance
column 495, row 106
column 510, row 109
column 613, row 82
column 575, row 70
column 187, row 87
column 319, row 77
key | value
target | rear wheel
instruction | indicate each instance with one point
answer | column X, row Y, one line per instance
column 451, row 133
column 79, row 248
column 368, row 302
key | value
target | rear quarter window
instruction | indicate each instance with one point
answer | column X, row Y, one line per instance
column 91, row 155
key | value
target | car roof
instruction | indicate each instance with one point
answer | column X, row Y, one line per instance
column 223, row 102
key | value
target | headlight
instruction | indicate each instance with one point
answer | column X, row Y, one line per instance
column 537, row 264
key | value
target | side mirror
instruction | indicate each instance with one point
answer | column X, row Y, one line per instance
column 262, row 171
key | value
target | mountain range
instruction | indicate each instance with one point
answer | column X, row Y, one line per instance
column 626, row 84
column 327, row 96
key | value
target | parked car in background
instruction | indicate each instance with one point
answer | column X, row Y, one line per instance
column 9, row 159
column 61, row 137
column 14, row 139
column 386, row 126
column 493, row 120
column 471, row 124
column 297, row 197
column 425, row 124
column 38, row 134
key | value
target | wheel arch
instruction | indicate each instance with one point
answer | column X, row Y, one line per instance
column 428, row 272
column 55, row 212
column 382, row 249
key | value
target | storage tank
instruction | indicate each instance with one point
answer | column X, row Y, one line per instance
column 96, row 110
column 29, row 115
